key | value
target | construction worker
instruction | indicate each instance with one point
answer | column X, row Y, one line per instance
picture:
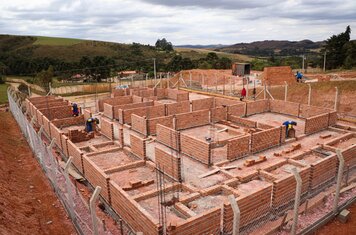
column 299, row 76
column 90, row 124
column 75, row 109
column 289, row 126
column 243, row 93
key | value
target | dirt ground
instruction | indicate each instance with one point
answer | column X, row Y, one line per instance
column 28, row 204
column 335, row 227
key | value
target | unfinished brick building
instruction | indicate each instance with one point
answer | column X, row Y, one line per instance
column 167, row 159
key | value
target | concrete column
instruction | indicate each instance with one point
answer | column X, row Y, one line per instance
column 92, row 201
column 285, row 91
column 336, row 98
column 309, row 95
column 339, row 179
column 236, row 210
column 298, row 192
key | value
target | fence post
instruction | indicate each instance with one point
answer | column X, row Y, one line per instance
column 298, row 192
column 309, row 95
column 336, row 98
column 68, row 186
column 92, row 201
column 285, row 91
column 339, row 179
column 236, row 210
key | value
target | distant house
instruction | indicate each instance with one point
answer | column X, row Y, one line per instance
column 127, row 73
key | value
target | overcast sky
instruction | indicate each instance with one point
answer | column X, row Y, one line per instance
column 180, row 21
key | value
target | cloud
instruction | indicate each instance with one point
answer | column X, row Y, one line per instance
column 180, row 21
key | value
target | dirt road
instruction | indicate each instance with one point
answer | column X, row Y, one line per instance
column 28, row 204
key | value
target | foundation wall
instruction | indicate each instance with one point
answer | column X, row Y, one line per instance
column 64, row 140
column 114, row 101
column 265, row 139
column 206, row 223
column 316, row 123
column 168, row 137
column 289, row 108
column 242, row 121
column 201, row 104
column 130, row 106
column 168, row 163
column 180, row 107
column 131, row 212
column 349, row 155
column 138, row 146
column 52, row 103
column 77, row 155
column 56, row 133
column 177, row 95
column 71, row 121
column 165, row 121
column 97, row 177
column 323, row 171
column 39, row 117
column 226, row 102
column 139, row 124
column 259, row 106
column 196, row 148
column 238, row 147
column 149, row 112
column 307, row 111
column 161, row 93
column 218, row 114
column 108, row 110
column 238, row 110
column 192, row 119
column 107, row 128
column 57, row 112
column 46, row 125
column 332, row 118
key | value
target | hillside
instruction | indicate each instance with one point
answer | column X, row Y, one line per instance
column 273, row 47
column 197, row 53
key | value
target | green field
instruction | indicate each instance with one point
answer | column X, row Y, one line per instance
column 195, row 54
column 53, row 41
column 3, row 93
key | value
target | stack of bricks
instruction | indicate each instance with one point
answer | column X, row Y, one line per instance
column 138, row 146
column 168, row 137
column 77, row 136
column 265, row 139
column 238, row 147
column 169, row 163
column 196, row 149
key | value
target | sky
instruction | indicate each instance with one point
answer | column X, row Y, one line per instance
column 179, row 21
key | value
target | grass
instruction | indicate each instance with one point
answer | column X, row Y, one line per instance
column 194, row 54
column 3, row 93
column 53, row 41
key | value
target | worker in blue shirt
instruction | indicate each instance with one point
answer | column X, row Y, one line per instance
column 289, row 126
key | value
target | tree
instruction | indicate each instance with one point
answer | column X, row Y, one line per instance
column 44, row 78
column 335, row 49
column 163, row 44
column 350, row 60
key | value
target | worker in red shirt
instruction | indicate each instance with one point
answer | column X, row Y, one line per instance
column 243, row 93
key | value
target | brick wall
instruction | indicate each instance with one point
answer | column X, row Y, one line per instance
column 147, row 93
column 56, row 133
column 242, row 121
column 222, row 101
column 259, row 106
column 136, row 99
column 205, row 223
column 264, row 126
column 64, row 144
column 168, row 137
column 169, row 163
column 218, row 114
column 149, row 112
column 161, row 93
column 130, row 106
column 113, row 101
column 177, row 95
column 57, row 112
column 39, row 117
column 307, row 111
column 192, row 119
column 71, row 121
column 206, row 103
column 165, row 121
column 139, row 124
column 87, row 114
column 118, row 92
column 97, row 177
column 52, row 103
column 349, row 155
column 138, row 146
column 108, row 110
column 77, row 155
column 265, row 139
column 107, row 128
column 238, row 147
column 316, row 123
column 195, row 148
column 180, row 107
column 46, row 125
column 238, row 110
column 131, row 212
column 332, row 118
column 278, row 75
column 280, row 106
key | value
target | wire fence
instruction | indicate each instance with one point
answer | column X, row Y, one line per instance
column 77, row 208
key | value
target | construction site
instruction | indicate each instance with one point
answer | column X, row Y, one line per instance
column 179, row 161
